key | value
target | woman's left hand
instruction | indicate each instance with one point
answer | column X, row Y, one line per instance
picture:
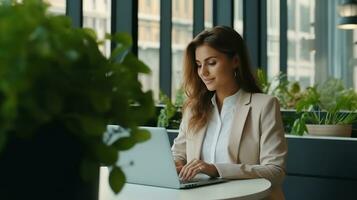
column 194, row 167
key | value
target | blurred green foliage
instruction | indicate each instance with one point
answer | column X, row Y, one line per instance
column 53, row 73
column 288, row 92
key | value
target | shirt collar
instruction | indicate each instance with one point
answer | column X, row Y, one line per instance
column 229, row 101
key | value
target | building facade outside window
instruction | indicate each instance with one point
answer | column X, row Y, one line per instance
column 57, row 7
column 149, row 43
column 300, row 34
column 238, row 16
column 273, row 38
column 182, row 30
column 208, row 13
column 97, row 15
column 301, row 37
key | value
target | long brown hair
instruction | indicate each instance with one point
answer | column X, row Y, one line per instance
column 227, row 41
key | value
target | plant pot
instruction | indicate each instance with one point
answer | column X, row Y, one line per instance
column 329, row 130
column 45, row 166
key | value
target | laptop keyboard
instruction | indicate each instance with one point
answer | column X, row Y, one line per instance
column 189, row 181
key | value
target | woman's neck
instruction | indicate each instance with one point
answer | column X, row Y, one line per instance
column 222, row 94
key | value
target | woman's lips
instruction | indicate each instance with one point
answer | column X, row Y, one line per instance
column 208, row 81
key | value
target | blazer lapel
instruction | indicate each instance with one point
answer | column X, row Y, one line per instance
column 242, row 110
column 198, row 141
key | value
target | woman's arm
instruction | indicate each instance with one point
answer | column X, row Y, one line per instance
column 273, row 149
column 179, row 147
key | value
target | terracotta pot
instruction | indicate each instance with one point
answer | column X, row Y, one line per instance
column 329, row 130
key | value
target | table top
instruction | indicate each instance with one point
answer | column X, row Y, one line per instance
column 234, row 189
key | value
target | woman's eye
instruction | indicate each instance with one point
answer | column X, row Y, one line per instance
column 198, row 65
column 212, row 63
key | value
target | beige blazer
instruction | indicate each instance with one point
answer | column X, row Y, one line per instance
column 257, row 145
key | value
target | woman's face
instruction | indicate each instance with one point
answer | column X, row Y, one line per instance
column 215, row 68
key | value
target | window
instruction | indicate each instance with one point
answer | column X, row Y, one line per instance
column 97, row 15
column 273, row 38
column 291, row 14
column 148, row 3
column 305, row 49
column 291, row 50
column 177, row 5
column 238, row 16
column 93, row 6
column 57, row 7
column 305, row 81
column 187, row 5
column 208, row 13
column 301, row 62
column 304, row 18
column 182, row 30
column 148, row 49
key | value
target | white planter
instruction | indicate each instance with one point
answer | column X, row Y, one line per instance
column 329, row 130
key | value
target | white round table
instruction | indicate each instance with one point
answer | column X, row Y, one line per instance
column 234, row 189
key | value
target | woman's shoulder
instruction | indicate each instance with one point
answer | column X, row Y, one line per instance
column 262, row 96
column 186, row 112
column 263, row 99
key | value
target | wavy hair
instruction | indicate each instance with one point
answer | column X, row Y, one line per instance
column 227, row 41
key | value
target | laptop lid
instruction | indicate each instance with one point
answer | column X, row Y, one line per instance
column 150, row 162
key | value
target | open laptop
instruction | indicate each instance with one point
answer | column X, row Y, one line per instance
column 151, row 163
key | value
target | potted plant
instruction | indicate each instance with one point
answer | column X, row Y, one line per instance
column 327, row 109
column 57, row 94
column 170, row 115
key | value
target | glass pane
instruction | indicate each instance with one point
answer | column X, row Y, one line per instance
column 291, row 14
column 97, row 15
column 301, row 35
column 273, row 38
column 149, row 43
column 182, row 27
column 57, row 7
column 208, row 13
column 238, row 16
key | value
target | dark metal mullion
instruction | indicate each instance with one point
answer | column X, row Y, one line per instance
column 165, row 46
column 283, row 62
column 263, row 61
column 251, row 30
column 75, row 12
column 223, row 12
column 125, row 19
column 135, row 26
column 198, row 16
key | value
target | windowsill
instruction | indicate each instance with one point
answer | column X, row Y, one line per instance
column 321, row 137
column 175, row 131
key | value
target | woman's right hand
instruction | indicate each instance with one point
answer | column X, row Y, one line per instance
column 179, row 164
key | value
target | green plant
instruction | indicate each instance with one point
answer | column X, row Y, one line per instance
column 170, row 110
column 286, row 91
column 328, row 103
column 51, row 73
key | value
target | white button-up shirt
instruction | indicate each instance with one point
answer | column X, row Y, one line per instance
column 215, row 144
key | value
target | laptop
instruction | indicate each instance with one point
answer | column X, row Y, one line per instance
column 151, row 163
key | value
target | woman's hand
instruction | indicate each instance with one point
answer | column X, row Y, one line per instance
column 194, row 167
column 179, row 165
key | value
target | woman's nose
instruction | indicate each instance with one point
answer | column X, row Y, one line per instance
column 204, row 70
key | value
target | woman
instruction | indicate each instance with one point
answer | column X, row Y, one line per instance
column 229, row 129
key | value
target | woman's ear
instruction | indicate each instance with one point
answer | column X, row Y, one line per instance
column 236, row 61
